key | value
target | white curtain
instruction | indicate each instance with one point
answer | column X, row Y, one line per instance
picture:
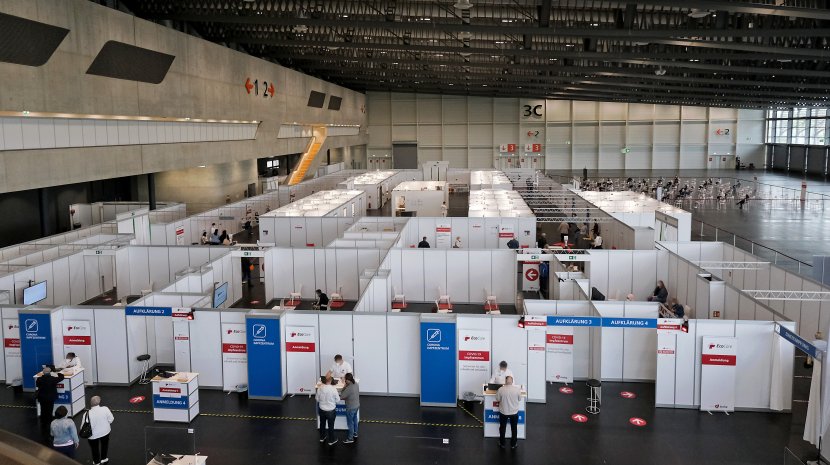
column 776, row 391
column 812, row 425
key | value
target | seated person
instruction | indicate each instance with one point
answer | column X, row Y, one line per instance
column 322, row 300
column 214, row 238
column 204, row 239
column 423, row 244
column 339, row 368
column 660, row 293
column 676, row 308
column 72, row 361
column 500, row 376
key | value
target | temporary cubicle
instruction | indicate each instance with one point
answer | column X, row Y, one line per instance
column 83, row 215
column 475, row 233
column 489, row 179
column 639, row 211
column 313, row 221
column 497, row 203
column 423, row 198
column 376, row 184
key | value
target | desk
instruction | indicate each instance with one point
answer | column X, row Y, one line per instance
column 176, row 398
column 340, row 416
column 184, row 460
column 71, row 393
column 491, row 415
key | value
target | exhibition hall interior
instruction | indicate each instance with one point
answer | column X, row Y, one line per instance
column 414, row 231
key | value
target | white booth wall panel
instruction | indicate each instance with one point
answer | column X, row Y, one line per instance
column 509, row 343
column 329, row 257
column 458, row 284
column 620, row 280
column 304, row 273
column 77, row 280
column 404, row 353
column 461, row 228
column 476, row 233
column 686, row 348
column 638, row 344
column 201, row 255
column 336, row 338
column 56, row 320
column 479, row 274
column 504, row 275
column 754, row 363
column 297, row 233
column 206, row 348
column 314, row 230
column 159, row 264
column 60, row 281
column 44, row 273
column 139, row 264
column 396, row 274
column 160, row 335
column 348, row 272
column 491, row 232
column 435, row 273
column 412, row 271
column 321, row 272
column 178, row 258
column 709, row 328
column 367, row 259
column 137, row 344
column 597, row 270
column 808, row 322
column 369, row 333
column 282, row 272
column 123, row 281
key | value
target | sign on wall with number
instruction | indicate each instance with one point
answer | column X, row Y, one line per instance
column 256, row 87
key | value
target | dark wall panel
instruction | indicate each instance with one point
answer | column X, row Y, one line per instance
column 405, row 156
column 779, row 157
column 798, row 158
column 316, row 99
column 27, row 42
column 124, row 61
column 817, row 160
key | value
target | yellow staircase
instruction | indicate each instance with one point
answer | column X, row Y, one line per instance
column 307, row 159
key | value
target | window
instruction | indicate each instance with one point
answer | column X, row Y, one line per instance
column 798, row 126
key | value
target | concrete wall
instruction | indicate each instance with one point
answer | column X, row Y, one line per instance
column 205, row 81
column 205, row 188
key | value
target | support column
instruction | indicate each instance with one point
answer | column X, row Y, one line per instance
column 151, row 190
column 43, row 205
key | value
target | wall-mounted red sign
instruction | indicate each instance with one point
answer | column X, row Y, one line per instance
column 254, row 86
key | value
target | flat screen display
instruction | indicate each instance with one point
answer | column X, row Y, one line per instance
column 220, row 294
column 34, row 294
column 316, row 99
column 334, row 103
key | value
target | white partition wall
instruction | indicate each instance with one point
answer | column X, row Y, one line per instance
column 627, row 352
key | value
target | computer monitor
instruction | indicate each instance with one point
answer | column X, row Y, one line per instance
column 220, row 294
column 35, row 293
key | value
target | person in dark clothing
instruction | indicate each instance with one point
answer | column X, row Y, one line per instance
column 542, row 241
column 596, row 229
column 47, row 393
column 660, row 293
column 677, row 309
column 513, row 243
column 743, row 201
column 322, row 300
column 423, row 244
column 246, row 270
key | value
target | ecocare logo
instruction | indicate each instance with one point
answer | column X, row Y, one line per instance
column 720, row 346
column 14, row 326
column 236, row 331
column 474, row 338
column 73, row 328
column 300, row 334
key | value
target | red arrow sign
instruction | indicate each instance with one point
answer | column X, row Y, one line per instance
column 719, row 132
column 271, row 90
column 531, row 274
column 628, row 395
column 136, row 399
column 579, row 418
column 637, row 421
column 248, row 85
column 566, row 390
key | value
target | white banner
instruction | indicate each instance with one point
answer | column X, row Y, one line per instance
column 181, row 344
column 234, row 355
column 473, row 360
column 443, row 235
column 717, row 374
column 301, row 359
column 560, row 354
column 77, row 337
column 530, row 276
column 11, row 350
column 665, row 386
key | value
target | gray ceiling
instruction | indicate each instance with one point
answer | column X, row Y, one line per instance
column 720, row 53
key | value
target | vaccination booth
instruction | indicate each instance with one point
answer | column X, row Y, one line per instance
column 312, row 221
column 420, row 198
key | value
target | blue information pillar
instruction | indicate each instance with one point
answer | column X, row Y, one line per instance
column 438, row 361
column 35, row 344
column 265, row 380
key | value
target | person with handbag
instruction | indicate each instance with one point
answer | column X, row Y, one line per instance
column 99, row 419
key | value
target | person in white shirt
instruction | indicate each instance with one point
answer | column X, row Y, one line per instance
column 72, row 361
column 501, row 375
column 339, row 368
column 444, row 209
column 457, row 243
column 99, row 419
column 327, row 398
column 509, row 398
column 597, row 242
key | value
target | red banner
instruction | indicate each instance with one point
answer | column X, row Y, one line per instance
column 234, row 348
column 560, row 339
column 709, row 359
column 669, row 327
column 535, row 323
column 475, row 355
column 76, row 340
column 505, row 234
column 299, row 347
column 11, row 343
column 170, row 390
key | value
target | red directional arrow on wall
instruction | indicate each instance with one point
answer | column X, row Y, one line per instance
column 271, row 90
column 248, row 85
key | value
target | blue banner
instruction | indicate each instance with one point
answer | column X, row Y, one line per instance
column 492, row 416
column 64, row 398
column 629, row 323
column 438, row 359
column 264, row 357
column 574, row 321
column 798, row 342
column 35, row 345
column 148, row 311
column 179, row 403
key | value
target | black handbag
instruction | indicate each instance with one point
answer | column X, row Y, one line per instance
column 86, row 426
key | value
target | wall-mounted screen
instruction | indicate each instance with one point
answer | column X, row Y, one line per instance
column 334, row 103
column 220, row 294
column 316, row 99
column 35, row 293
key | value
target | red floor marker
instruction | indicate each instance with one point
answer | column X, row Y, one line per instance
column 579, row 418
column 566, row 390
column 637, row 421
column 254, row 302
column 628, row 395
column 136, row 399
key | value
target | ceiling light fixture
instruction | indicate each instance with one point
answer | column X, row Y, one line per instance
column 697, row 14
column 463, row 5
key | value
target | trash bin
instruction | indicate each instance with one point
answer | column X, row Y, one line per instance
column 467, row 400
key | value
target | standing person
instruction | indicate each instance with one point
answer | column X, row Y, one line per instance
column 597, row 242
column 246, row 270
column 47, row 393
column 351, row 394
column 563, row 230
column 327, row 398
column 457, row 243
column 444, row 209
column 214, row 229
column 423, row 244
column 64, row 433
column 100, row 419
column 512, row 243
column 542, row 240
column 595, row 230
column 509, row 397
column 743, row 201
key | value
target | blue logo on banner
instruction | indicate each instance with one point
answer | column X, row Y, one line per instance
column 574, row 321
column 148, row 311
column 492, row 416
column 63, row 398
column 438, row 359
column 629, row 322
column 264, row 357
column 180, row 403
column 799, row 342
column 35, row 345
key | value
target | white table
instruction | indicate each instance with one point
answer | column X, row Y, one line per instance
column 176, row 398
column 71, row 393
column 491, row 415
column 340, row 416
column 185, row 460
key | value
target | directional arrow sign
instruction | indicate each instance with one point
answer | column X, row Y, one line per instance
column 566, row 390
column 637, row 421
column 248, row 85
column 532, row 274
column 271, row 90
column 579, row 418
column 628, row 395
